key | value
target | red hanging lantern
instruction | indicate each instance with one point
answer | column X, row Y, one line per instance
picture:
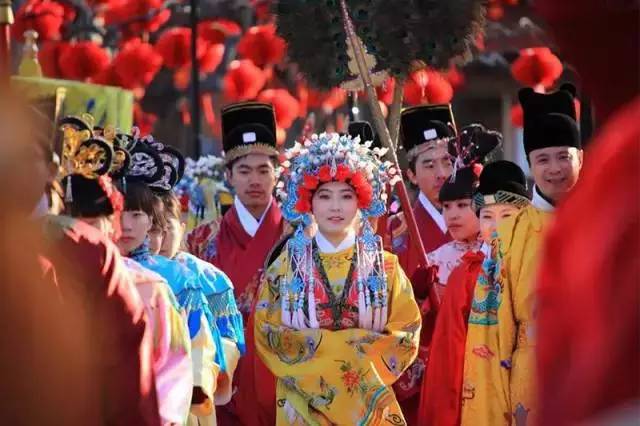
column 122, row 10
column 83, row 60
column 46, row 17
column 262, row 45
column 426, row 86
column 287, row 108
column 174, row 45
column 49, row 57
column 243, row 81
column 385, row 91
column 136, row 64
column 537, row 66
column 218, row 30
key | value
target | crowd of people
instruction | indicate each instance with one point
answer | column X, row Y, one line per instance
column 307, row 302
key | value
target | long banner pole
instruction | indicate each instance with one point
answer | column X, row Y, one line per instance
column 385, row 138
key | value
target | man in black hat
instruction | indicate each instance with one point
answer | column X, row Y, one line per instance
column 240, row 243
column 426, row 132
column 552, row 144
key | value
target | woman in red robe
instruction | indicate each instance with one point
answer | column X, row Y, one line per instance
column 501, row 193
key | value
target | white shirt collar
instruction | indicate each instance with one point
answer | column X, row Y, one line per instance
column 433, row 212
column 540, row 203
column 248, row 222
column 325, row 246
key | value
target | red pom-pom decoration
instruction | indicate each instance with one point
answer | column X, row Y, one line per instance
column 536, row 66
column 46, row 17
column 427, row 87
column 243, row 81
column 262, row 45
column 287, row 108
column 136, row 64
column 83, row 60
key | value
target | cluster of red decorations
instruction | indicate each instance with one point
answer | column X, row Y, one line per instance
column 356, row 179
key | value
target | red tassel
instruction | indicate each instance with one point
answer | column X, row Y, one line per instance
column 46, row 17
column 136, row 64
column 174, row 46
column 427, row 87
column 243, row 81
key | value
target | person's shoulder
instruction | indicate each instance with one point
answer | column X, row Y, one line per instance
column 215, row 280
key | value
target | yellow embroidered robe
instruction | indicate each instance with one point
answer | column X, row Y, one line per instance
column 498, row 383
column 337, row 375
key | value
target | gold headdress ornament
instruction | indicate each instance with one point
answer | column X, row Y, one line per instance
column 83, row 153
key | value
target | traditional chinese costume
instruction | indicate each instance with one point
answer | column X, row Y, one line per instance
column 499, row 373
column 501, row 182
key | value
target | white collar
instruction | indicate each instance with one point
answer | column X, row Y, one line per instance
column 540, row 203
column 433, row 212
column 486, row 250
column 248, row 222
column 325, row 246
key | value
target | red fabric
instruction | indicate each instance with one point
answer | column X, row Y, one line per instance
column 116, row 347
column 441, row 392
column 589, row 284
column 574, row 25
column 242, row 258
column 408, row 386
column 432, row 238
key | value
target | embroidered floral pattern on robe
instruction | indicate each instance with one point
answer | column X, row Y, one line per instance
column 337, row 374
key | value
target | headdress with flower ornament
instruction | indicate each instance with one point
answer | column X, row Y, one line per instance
column 87, row 161
column 334, row 158
column 469, row 150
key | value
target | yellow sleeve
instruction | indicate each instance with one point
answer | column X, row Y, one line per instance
column 318, row 363
column 224, row 385
column 205, row 370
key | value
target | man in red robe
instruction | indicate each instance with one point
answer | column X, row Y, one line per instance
column 240, row 243
column 426, row 131
column 85, row 357
column 589, row 279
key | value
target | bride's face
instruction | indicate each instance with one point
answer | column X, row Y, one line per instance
column 335, row 207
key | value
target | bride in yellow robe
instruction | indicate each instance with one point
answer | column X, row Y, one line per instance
column 336, row 320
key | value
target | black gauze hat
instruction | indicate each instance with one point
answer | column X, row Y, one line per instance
column 248, row 128
column 501, row 182
column 549, row 119
column 425, row 124
column 460, row 185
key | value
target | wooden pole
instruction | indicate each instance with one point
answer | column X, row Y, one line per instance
column 6, row 19
column 195, row 77
column 385, row 138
